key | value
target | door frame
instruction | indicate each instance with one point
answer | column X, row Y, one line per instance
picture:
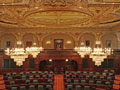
column 62, row 44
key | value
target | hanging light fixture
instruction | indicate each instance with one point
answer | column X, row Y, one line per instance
column 19, row 54
column 83, row 50
column 97, row 54
column 34, row 50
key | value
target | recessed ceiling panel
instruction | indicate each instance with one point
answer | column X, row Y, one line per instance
column 58, row 18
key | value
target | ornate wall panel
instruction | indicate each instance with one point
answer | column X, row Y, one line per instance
column 48, row 42
column 7, row 39
column 88, row 36
column 109, row 37
column 29, row 37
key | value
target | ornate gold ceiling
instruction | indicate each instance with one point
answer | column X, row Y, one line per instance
column 59, row 13
column 58, row 18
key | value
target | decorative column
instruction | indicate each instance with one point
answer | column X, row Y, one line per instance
column 116, row 62
column 37, row 64
column 79, row 62
column 118, row 39
column 98, row 37
column 40, row 37
column 18, row 38
column 77, row 43
column 26, row 64
column 91, row 64
column 76, row 39
column 1, row 62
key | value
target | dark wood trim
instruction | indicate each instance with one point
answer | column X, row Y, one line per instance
column 62, row 44
column 59, row 55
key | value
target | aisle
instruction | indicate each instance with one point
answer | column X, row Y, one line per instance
column 58, row 82
column 2, row 84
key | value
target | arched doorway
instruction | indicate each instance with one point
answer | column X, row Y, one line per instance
column 45, row 65
column 71, row 65
column 58, row 66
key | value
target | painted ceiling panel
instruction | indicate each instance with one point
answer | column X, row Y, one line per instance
column 58, row 17
column 56, row 14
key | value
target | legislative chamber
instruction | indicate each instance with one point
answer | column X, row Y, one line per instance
column 59, row 44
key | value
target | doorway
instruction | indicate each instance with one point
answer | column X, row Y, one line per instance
column 58, row 66
column 58, row 44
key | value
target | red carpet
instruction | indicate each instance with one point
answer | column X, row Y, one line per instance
column 58, row 82
column 2, row 85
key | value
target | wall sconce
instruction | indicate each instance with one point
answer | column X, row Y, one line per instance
column 98, row 42
column 48, row 42
column 50, row 60
column 19, row 42
column 68, row 42
column 66, row 60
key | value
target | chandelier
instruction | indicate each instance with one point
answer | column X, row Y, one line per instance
column 97, row 54
column 82, row 50
column 33, row 50
column 19, row 54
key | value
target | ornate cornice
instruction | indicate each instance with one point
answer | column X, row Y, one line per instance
column 63, row 30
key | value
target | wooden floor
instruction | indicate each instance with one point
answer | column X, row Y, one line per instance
column 58, row 82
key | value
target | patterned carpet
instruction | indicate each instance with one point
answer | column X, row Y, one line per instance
column 58, row 82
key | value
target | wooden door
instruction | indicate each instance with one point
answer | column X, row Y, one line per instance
column 59, row 66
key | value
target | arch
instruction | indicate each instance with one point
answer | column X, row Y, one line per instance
column 48, row 41
column 109, row 37
column 29, row 37
column 88, row 36
column 8, row 38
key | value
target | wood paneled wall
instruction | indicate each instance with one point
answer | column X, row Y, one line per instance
column 58, row 55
